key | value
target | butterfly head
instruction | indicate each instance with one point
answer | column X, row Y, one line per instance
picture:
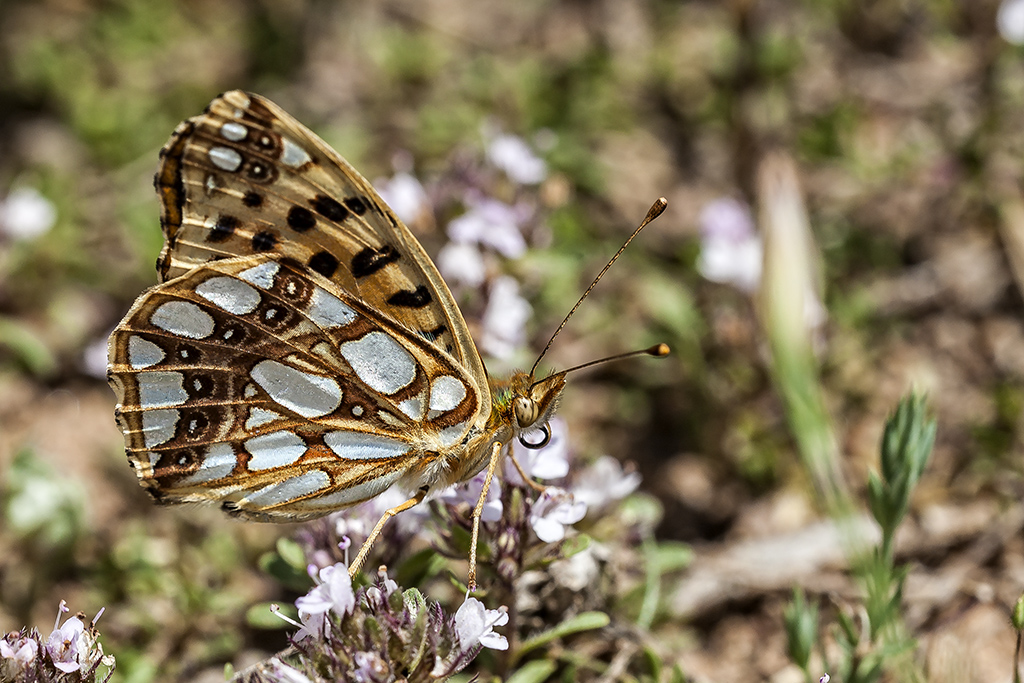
column 526, row 405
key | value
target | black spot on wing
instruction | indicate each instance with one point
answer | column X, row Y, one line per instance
column 415, row 298
column 370, row 260
column 264, row 241
column 253, row 200
column 329, row 208
column 224, row 228
column 324, row 263
column 356, row 205
column 301, row 219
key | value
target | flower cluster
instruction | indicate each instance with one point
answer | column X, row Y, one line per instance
column 530, row 558
column 72, row 652
column 492, row 200
column 520, row 523
column 378, row 633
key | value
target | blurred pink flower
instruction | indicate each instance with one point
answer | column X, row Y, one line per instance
column 405, row 195
column 286, row 674
column 26, row 214
column 461, row 263
column 469, row 493
column 357, row 522
column 491, row 223
column 1010, row 21
column 504, row 319
column 554, row 510
column 370, row 668
column 731, row 251
column 604, row 482
column 513, row 156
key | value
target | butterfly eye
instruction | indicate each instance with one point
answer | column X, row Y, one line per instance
column 526, row 411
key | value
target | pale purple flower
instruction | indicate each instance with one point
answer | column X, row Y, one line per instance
column 731, row 251
column 65, row 644
column 516, row 159
column 469, row 494
column 604, row 482
column 379, row 595
column 550, row 462
column 491, row 223
column 1010, row 21
column 504, row 319
column 462, row 263
column 825, row 679
column 405, row 195
column 554, row 510
column 332, row 594
column 26, row 214
column 22, row 651
column 474, row 624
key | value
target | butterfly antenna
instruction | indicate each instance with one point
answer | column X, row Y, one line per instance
column 656, row 210
column 658, row 350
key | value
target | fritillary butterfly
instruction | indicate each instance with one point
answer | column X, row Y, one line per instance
column 302, row 353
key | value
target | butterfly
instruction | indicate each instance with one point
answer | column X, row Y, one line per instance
column 301, row 353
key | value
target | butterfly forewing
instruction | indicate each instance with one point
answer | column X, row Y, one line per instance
column 246, row 178
column 258, row 382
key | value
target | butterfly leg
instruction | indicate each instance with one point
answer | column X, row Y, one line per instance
column 479, row 510
column 388, row 514
column 540, row 488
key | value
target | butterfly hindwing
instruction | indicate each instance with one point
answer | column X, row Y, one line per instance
column 257, row 382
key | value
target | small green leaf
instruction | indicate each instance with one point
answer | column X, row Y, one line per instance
column 588, row 621
column 420, row 566
column 670, row 556
column 260, row 616
column 641, row 509
column 291, row 552
column 653, row 661
column 272, row 564
column 537, row 671
column 575, row 544
column 27, row 347
column 801, row 622
column 677, row 675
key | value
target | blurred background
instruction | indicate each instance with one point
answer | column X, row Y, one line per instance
column 845, row 191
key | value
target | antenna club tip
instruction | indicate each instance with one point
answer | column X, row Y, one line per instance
column 657, row 208
column 659, row 350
